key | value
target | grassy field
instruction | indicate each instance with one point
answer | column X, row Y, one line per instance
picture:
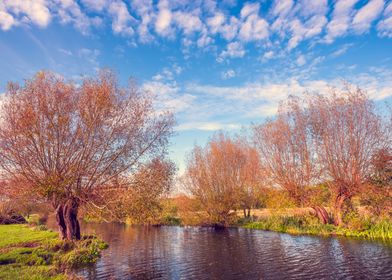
column 28, row 253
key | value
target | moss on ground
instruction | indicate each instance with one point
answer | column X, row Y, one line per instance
column 28, row 253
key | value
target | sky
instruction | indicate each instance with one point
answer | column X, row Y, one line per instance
column 218, row 65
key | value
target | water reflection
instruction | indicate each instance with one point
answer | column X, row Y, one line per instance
column 203, row 253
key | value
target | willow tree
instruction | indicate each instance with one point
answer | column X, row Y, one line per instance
column 287, row 151
column 220, row 176
column 348, row 133
column 66, row 140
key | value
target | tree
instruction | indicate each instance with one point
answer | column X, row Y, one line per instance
column 347, row 133
column 286, row 150
column 377, row 193
column 67, row 140
column 220, row 175
column 140, row 197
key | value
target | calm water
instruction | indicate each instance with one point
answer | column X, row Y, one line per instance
column 203, row 253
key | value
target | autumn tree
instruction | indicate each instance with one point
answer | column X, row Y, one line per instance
column 286, row 150
column 220, row 175
column 348, row 132
column 140, row 195
column 66, row 140
column 377, row 192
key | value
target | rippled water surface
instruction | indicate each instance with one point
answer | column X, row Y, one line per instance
column 203, row 253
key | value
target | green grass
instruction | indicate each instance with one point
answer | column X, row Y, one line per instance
column 310, row 225
column 17, row 234
column 27, row 253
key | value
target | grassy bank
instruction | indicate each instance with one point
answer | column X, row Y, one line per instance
column 36, row 253
column 381, row 229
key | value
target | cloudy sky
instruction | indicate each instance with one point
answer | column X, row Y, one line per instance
column 216, row 64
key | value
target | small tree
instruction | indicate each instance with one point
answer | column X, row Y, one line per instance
column 347, row 132
column 67, row 140
column 220, row 176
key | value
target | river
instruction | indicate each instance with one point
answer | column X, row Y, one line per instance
column 138, row 252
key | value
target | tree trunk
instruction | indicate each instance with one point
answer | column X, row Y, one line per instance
column 340, row 199
column 248, row 213
column 67, row 220
column 60, row 221
column 71, row 219
column 321, row 214
column 244, row 212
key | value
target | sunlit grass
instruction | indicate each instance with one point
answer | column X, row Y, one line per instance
column 310, row 225
column 27, row 253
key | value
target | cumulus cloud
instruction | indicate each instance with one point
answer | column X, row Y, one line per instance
column 342, row 15
column 6, row 20
column 121, row 18
column 367, row 14
column 253, row 28
column 234, row 49
column 384, row 27
column 69, row 12
column 164, row 18
column 14, row 12
column 201, row 24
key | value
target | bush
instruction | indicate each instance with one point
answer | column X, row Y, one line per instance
column 8, row 215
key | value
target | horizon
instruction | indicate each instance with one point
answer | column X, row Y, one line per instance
column 219, row 66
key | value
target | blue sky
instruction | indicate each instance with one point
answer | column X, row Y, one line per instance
column 216, row 64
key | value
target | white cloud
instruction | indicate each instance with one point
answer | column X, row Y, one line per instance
column 145, row 10
column 342, row 50
column 228, row 74
column 301, row 60
column 64, row 51
column 95, row 5
column 216, row 22
column 367, row 14
column 121, row 18
column 168, row 96
column 268, row 55
column 69, row 12
column 384, row 27
column 282, row 7
column 164, row 18
column 6, row 20
column 234, row 49
column 13, row 12
column 207, row 126
column 188, row 22
column 341, row 19
column 90, row 55
column 201, row 24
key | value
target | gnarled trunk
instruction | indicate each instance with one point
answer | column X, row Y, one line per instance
column 60, row 221
column 321, row 214
column 338, row 207
column 67, row 220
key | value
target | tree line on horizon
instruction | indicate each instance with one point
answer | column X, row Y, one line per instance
column 101, row 149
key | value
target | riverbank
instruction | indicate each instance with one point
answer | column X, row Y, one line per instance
column 37, row 253
column 362, row 224
column 381, row 229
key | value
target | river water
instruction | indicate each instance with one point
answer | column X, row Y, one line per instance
column 138, row 252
